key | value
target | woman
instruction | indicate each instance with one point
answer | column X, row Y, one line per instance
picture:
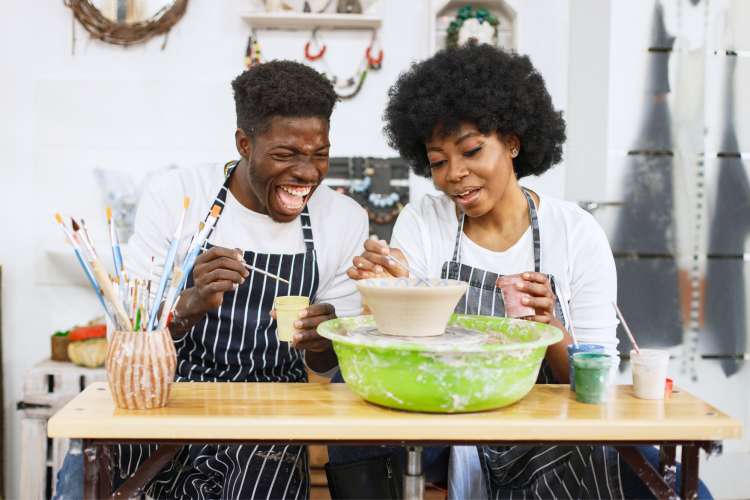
column 476, row 120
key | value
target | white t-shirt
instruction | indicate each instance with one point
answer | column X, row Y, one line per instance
column 574, row 249
column 339, row 227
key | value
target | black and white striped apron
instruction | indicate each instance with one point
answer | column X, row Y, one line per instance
column 533, row 471
column 238, row 343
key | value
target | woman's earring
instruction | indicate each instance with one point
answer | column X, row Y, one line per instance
column 514, row 153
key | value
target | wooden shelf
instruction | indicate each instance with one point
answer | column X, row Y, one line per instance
column 301, row 21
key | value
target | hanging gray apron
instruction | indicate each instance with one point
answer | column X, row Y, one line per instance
column 532, row 471
column 238, row 343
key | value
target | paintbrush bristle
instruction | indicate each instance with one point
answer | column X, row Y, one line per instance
column 186, row 202
column 58, row 218
column 109, row 214
column 75, row 225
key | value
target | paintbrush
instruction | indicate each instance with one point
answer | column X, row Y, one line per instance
column 86, row 269
column 109, row 293
column 627, row 328
column 86, row 234
column 197, row 244
column 255, row 269
column 205, row 229
column 168, row 303
column 420, row 278
column 115, row 242
column 88, row 245
column 168, row 263
column 261, row 271
column 104, row 283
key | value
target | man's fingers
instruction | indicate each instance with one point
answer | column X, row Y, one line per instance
column 220, row 286
column 218, row 252
column 224, row 263
column 221, row 275
column 323, row 309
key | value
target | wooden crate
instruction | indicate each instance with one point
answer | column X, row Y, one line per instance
column 47, row 387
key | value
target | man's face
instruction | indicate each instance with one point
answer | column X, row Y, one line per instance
column 287, row 163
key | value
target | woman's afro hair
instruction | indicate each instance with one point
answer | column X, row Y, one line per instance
column 497, row 91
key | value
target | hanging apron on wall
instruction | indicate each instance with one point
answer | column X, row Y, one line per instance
column 238, row 343
column 533, row 471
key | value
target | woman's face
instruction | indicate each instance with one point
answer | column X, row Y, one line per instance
column 472, row 168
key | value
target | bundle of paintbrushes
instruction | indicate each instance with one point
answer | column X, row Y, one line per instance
column 137, row 304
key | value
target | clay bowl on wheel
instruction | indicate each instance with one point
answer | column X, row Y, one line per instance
column 479, row 363
column 410, row 308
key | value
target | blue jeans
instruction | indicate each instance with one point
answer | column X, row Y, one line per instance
column 70, row 476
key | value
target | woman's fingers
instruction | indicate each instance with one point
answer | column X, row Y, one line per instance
column 364, row 262
column 375, row 263
column 377, row 246
column 535, row 277
column 535, row 289
column 541, row 319
column 357, row 274
column 539, row 303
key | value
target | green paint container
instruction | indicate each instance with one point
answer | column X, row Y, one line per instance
column 480, row 363
column 592, row 376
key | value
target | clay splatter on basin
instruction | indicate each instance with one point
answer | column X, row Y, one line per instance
column 479, row 363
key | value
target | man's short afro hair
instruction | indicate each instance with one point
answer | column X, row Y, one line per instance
column 280, row 88
column 495, row 90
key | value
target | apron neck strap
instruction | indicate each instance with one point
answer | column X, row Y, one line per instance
column 534, row 221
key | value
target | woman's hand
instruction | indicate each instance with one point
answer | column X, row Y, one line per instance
column 541, row 298
column 374, row 263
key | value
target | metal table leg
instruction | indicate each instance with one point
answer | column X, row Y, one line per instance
column 96, row 478
column 135, row 485
column 689, row 476
column 413, row 479
column 650, row 477
column 668, row 465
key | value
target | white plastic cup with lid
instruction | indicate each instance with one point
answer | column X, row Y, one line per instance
column 649, row 373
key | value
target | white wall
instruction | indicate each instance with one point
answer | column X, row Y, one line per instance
column 142, row 108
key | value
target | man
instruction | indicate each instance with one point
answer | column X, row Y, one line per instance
column 275, row 216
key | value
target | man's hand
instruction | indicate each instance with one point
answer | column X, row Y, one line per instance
column 216, row 272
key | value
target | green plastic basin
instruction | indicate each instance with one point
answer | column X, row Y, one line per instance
column 480, row 363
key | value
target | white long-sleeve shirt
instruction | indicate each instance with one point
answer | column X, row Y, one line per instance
column 339, row 227
column 574, row 249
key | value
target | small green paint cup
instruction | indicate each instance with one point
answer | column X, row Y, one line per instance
column 592, row 376
column 287, row 312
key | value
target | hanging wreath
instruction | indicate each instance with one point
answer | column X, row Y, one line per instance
column 475, row 16
column 125, row 34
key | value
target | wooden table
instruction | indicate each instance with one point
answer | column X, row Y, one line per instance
column 332, row 414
